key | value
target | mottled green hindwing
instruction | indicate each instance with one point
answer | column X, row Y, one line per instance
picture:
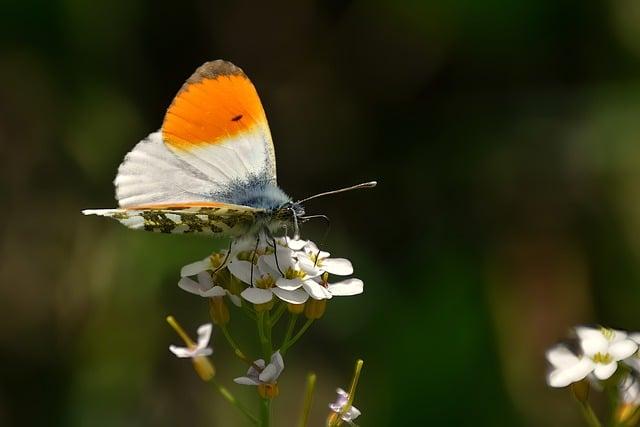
column 230, row 221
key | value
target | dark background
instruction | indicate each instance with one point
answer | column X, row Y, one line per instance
column 505, row 136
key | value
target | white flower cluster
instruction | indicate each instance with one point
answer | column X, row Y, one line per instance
column 599, row 353
column 293, row 271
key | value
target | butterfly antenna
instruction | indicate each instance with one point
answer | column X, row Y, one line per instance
column 369, row 184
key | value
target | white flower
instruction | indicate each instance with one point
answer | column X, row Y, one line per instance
column 259, row 374
column 205, row 287
column 211, row 263
column 602, row 349
column 345, row 287
column 312, row 259
column 197, row 350
column 634, row 361
column 338, row 406
column 264, row 278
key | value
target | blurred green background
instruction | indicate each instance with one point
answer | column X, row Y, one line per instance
column 505, row 136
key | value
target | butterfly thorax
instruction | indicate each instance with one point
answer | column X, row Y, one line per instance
column 257, row 192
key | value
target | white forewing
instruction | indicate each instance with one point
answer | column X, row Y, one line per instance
column 152, row 174
column 238, row 157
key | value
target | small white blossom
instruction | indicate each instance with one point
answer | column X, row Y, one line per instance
column 259, row 374
column 198, row 350
column 205, row 287
column 602, row 349
column 338, row 406
column 210, row 263
column 311, row 258
column 264, row 278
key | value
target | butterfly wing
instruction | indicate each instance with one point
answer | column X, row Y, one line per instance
column 217, row 125
column 152, row 174
column 214, row 219
column 213, row 156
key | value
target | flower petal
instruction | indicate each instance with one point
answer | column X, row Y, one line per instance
column 316, row 290
column 561, row 357
column 245, row 381
column 635, row 337
column 622, row 349
column 297, row 296
column 338, row 266
column 196, row 267
column 242, row 270
column 346, row 287
column 288, row 284
column 276, row 360
column 204, row 335
column 602, row 372
column 235, row 299
column 181, row 351
column 257, row 295
column 296, row 244
column 268, row 375
column 593, row 344
column 191, row 286
column 562, row 377
column 216, row 291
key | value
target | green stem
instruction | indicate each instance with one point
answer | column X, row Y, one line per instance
column 251, row 314
column 234, row 345
column 308, row 400
column 278, row 314
column 265, row 412
column 266, row 348
column 226, row 394
column 288, row 344
column 293, row 318
column 589, row 416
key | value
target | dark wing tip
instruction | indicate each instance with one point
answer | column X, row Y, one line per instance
column 215, row 69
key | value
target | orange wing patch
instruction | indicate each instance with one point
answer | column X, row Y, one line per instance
column 218, row 101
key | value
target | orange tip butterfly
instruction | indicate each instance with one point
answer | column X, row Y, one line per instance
column 211, row 168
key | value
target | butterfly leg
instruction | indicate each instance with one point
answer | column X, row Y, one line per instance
column 275, row 254
column 226, row 258
column 253, row 257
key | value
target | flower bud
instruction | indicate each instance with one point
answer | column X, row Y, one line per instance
column 264, row 306
column 314, row 308
column 204, row 368
column 295, row 308
column 218, row 311
column 268, row 391
column 580, row 390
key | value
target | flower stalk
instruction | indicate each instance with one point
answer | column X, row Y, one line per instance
column 308, row 399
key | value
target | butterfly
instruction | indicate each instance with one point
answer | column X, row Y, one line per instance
column 211, row 168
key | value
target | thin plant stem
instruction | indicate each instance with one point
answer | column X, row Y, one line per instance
column 264, row 342
column 308, row 399
column 278, row 314
column 287, row 345
column 226, row 394
column 293, row 318
column 589, row 416
column 234, row 345
column 265, row 412
column 336, row 419
column 354, row 384
column 251, row 314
